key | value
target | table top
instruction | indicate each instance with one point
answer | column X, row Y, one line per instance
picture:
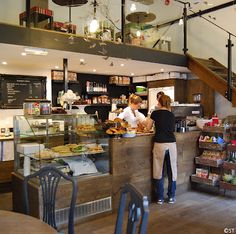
column 17, row 223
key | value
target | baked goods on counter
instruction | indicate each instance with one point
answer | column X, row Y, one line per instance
column 69, row 150
column 116, row 127
column 86, row 128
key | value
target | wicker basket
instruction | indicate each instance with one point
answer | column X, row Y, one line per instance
column 211, row 146
column 209, row 162
column 225, row 185
column 206, row 181
column 229, row 166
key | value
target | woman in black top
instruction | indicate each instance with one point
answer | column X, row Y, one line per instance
column 164, row 150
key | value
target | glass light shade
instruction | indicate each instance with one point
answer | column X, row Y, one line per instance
column 181, row 22
column 133, row 7
column 138, row 33
column 93, row 26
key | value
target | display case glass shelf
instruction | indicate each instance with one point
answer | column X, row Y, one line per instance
column 75, row 143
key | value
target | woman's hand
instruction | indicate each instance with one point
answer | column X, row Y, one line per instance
column 148, row 123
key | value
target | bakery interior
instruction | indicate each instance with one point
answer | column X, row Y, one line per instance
column 80, row 79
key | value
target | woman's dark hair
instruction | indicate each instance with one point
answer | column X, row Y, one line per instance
column 165, row 101
column 159, row 94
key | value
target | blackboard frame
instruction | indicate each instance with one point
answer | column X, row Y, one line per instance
column 31, row 80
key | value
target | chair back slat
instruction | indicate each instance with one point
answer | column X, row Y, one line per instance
column 138, row 211
column 49, row 179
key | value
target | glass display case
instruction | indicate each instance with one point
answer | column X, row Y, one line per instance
column 74, row 143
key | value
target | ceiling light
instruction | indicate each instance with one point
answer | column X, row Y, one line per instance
column 122, row 65
column 23, row 54
column 93, row 26
column 138, row 33
column 4, row 63
column 181, row 22
column 132, row 74
column 36, row 51
column 94, row 70
column 133, row 7
column 81, row 60
column 56, row 67
column 162, row 69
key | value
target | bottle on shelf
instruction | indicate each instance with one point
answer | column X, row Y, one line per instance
column 87, row 86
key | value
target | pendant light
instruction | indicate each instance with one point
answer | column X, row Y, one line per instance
column 71, row 3
column 94, row 25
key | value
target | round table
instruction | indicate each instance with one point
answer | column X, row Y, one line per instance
column 17, row 223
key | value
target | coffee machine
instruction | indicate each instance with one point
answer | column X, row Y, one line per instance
column 186, row 116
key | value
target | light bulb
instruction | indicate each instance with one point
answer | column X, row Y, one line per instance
column 93, row 27
column 181, row 22
column 138, row 33
column 133, row 7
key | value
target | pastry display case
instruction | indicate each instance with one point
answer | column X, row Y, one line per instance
column 74, row 143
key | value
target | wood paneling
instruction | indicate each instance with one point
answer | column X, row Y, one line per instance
column 131, row 160
column 207, row 98
column 184, row 90
column 6, row 168
column 210, row 78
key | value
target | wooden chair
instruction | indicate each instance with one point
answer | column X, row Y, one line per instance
column 49, row 178
column 138, row 211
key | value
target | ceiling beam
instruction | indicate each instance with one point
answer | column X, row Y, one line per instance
column 49, row 39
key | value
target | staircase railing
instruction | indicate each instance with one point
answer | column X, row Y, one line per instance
column 229, row 46
column 185, row 17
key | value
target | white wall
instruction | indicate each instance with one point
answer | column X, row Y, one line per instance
column 206, row 40
column 10, row 10
column 6, row 115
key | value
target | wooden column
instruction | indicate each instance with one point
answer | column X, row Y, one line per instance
column 65, row 74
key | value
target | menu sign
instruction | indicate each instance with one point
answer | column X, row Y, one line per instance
column 16, row 88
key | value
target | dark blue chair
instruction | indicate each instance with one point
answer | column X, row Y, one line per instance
column 49, row 178
column 138, row 211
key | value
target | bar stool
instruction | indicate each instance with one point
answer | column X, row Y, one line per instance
column 38, row 14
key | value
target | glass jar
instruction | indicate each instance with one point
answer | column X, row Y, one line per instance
column 31, row 107
column 45, row 107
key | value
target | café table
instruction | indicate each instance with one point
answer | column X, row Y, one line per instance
column 17, row 223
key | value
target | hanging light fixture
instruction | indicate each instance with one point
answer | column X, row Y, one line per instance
column 94, row 25
column 138, row 33
column 181, row 22
column 71, row 3
column 133, row 7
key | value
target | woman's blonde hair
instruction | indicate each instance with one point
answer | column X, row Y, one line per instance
column 134, row 99
column 164, row 101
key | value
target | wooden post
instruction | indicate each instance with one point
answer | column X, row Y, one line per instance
column 65, row 74
column 123, row 21
column 28, row 13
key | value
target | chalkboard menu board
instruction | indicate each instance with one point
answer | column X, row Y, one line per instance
column 16, row 88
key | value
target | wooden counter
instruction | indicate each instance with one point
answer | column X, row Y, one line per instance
column 130, row 161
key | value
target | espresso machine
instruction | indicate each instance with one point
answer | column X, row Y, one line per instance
column 186, row 116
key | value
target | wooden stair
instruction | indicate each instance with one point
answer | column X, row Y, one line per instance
column 213, row 73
